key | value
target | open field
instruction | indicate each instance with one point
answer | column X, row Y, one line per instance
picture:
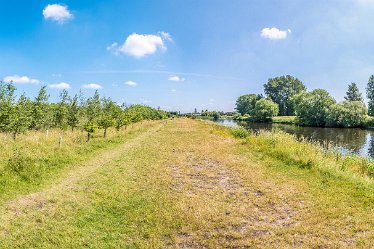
column 190, row 184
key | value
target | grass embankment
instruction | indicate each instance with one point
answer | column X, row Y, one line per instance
column 277, row 119
column 190, row 184
column 284, row 120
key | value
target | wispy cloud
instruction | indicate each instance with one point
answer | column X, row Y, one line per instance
column 58, row 13
column 176, row 78
column 162, row 72
column 146, row 101
column 131, row 83
column 20, row 79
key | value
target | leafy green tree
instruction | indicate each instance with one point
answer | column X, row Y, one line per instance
column 93, row 112
column 281, row 89
column 347, row 114
column 265, row 109
column 120, row 117
column 61, row 111
column 7, row 99
column 20, row 116
column 246, row 103
column 353, row 94
column 370, row 95
column 312, row 108
column 106, row 118
column 41, row 113
column 73, row 112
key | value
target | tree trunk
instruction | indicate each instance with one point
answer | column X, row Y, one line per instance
column 88, row 136
column 104, row 132
column 14, row 136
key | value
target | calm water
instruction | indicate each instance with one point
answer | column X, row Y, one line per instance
column 357, row 141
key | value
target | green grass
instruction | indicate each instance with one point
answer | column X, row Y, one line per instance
column 190, row 184
column 34, row 160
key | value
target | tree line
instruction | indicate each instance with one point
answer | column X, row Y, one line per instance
column 20, row 114
column 288, row 96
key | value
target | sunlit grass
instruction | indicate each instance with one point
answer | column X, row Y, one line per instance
column 34, row 158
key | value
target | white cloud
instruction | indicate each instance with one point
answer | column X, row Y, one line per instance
column 173, row 90
column 92, row 86
column 176, row 78
column 60, row 86
column 131, row 83
column 20, row 80
column 140, row 45
column 274, row 33
column 211, row 100
column 57, row 12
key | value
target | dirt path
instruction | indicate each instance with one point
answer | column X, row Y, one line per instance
column 234, row 205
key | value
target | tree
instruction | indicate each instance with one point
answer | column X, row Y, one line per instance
column 347, row 114
column 73, row 112
column 120, row 117
column 370, row 95
column 93, row 111
column 281, row 89
column 61, row 111
column 353, row 94
column 20, row 116
column 312, row 108
column 265, row 109
column 246, row 103
column 106, row 118
column 7, row 99
column 41, row 115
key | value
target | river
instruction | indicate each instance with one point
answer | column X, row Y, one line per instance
column 347, row 140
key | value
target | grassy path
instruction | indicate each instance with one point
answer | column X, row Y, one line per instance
column 188, row 184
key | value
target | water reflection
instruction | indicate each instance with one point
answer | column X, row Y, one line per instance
column 354, row 140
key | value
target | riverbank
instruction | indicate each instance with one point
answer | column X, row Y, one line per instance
column 292, row 120
column 191, row 184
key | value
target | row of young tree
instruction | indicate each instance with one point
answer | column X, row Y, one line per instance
column 288, row 96
column 20, row 114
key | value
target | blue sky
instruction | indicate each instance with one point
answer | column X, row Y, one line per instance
column 184, row 54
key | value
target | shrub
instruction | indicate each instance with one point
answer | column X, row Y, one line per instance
column 23, row 165
column 240, row 132
column 347, row 114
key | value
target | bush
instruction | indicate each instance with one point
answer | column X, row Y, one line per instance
column 347, row 114
column 265, row 109
column 239, row 132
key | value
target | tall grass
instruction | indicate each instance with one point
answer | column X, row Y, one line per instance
column 309, row 154
column 35, row 158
